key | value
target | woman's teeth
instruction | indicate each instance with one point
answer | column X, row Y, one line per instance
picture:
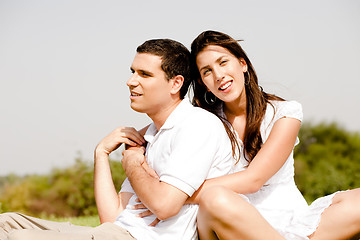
column 223, row 87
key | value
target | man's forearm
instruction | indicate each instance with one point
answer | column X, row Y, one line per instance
column 108, row 201
column 160, row 198
column 143, row 184
column 106, row 196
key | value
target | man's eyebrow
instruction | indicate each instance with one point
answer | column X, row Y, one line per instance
column 145, row 72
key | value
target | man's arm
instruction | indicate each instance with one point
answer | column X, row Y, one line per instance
column 108, row 201
column 163, row 199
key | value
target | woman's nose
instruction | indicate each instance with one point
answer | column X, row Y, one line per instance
column 218, row 74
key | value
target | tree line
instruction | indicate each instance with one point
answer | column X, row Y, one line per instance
column 326, row 160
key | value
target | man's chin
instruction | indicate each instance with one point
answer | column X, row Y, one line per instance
column 136, row 108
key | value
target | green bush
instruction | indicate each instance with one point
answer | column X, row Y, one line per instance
column 327, row 160
column 64, row 193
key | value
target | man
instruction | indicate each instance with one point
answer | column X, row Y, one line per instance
column 185, row 146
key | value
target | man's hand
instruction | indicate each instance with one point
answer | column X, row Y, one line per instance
column 136, row 155
column 127, row 135
column 133, row 156
column 149, row 170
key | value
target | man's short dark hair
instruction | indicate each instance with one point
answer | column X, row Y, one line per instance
column 175, row 59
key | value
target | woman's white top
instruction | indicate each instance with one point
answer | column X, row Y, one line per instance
column 279, row 200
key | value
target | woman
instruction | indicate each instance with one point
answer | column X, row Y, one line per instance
column 264, row 128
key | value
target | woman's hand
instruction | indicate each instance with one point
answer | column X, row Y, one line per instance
column 145, row 213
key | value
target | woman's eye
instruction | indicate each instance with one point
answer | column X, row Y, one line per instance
column 223, row 62
column 205, row 72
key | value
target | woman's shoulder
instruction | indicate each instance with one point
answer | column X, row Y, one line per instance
column 279, row 109
column 285, row 104
column 276, row 110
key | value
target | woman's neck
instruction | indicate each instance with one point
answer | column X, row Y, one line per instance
column 236, row 108
column 236, row 115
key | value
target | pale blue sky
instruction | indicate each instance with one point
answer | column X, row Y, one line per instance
column 64, row 64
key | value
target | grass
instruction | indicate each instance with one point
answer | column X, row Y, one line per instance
column 91, row 221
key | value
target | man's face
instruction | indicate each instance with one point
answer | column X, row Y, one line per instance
column 149, row 87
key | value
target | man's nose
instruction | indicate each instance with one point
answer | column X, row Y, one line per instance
column 132, row 80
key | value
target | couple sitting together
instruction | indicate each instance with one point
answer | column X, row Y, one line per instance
column 219, row 168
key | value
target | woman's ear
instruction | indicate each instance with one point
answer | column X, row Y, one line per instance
column 177, row 83
column 243, row 65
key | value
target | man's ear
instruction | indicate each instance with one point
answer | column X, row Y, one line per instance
column 177, row 83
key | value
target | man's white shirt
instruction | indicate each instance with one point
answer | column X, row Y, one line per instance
column 190, row 147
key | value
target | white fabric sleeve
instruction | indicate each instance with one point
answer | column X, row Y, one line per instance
column 290, row 109
column 126, row 187
column 194, row 153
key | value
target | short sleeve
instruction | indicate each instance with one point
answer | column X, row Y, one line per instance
column 290, row 109
column 277, row 110
column 204, row 145
column 126, row 186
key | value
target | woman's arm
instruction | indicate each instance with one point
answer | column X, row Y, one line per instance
column 270, row 158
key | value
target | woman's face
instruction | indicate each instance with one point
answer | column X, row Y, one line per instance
column 222, row 73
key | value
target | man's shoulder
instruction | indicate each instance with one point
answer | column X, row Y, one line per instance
column 200, row 115
column 198, row 121
column 190, row 112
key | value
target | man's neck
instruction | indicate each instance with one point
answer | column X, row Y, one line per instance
column 159, row 118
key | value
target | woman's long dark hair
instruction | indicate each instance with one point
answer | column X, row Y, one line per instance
column 256, row 98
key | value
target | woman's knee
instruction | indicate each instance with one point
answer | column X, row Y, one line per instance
column 353, row 203
column 220, row 201
column 349, row 201
column 214, row 198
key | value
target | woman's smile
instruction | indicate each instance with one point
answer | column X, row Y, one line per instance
column 226, row 87
column 222, row 73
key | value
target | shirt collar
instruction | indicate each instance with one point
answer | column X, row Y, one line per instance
column 179, row 113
